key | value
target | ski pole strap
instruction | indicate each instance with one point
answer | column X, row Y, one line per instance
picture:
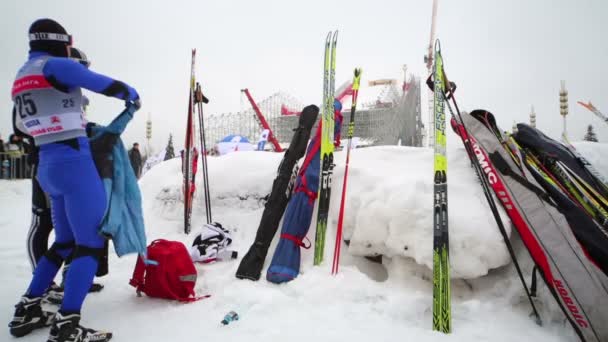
column 297, row 240
column 450, row 89
column 533, row 284
column 198, row 95
column 451, row 86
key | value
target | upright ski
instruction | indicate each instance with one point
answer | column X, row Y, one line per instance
column 351, row 130
column 441, row 264
column 327, row 144
column 187, row 160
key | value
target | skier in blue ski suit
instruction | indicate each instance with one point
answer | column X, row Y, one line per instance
column 42, row 225
column 48, row 100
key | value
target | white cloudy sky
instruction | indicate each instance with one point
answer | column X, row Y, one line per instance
column 504, row 55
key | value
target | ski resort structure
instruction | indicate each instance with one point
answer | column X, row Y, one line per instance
column 388, row 114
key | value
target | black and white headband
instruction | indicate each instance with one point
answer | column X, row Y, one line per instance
column 64, row 38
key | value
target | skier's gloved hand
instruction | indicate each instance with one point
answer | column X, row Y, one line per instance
column 133, row 106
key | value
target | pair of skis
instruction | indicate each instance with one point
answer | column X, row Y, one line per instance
column 442, row 320
column 190, row 153
column 327, row 151
column 327, row 143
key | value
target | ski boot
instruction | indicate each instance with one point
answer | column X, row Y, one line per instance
column 96, row 287
column 54, row 295
column 67, row 328
column 29, row 316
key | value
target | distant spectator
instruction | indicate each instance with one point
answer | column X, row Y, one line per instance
column 17, row 149
column 14, row 146
column 135, row 157
column 2, row 151
column 3, row 167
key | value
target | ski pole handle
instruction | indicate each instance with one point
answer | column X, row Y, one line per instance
column 451, row 89
column 198, row 95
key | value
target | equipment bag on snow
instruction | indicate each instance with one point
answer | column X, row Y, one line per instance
column 252, row 263
column 212, row 244
column 285, row 264
column 168, row 272
column 579, row 287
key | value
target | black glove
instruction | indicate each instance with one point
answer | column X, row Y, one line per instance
column 133, row 106
column 199, row 97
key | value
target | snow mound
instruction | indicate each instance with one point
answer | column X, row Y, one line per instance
column 596, row 154
column 237, row 180
column 388, row 204
column 390, row 194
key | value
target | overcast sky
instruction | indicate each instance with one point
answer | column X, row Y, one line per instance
column 504, row 55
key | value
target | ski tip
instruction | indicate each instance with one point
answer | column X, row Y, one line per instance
column 437, row 46
column 358, row 72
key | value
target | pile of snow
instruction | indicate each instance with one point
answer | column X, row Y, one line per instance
column 596, row 154
column 152, row 161
column 390, row 198
column 388, row 211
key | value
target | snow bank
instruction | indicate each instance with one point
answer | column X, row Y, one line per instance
column 237, row 179
column 390, row 203
column 388, row 209
column 596, row 154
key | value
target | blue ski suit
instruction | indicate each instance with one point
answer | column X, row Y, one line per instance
column 47, row 99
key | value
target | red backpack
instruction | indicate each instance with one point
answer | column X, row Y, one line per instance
column 167, row 273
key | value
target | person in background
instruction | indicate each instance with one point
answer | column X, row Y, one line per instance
column 47, row 100
column 17, row 151
column 135, row 157
column 2, row 151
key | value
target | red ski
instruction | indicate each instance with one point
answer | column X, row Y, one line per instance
column 189, row 155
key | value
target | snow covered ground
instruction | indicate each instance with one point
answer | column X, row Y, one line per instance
column 388, row 212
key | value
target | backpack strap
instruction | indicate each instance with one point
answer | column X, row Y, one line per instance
column 193, row 299
column 188, row 299
column 137, row 280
